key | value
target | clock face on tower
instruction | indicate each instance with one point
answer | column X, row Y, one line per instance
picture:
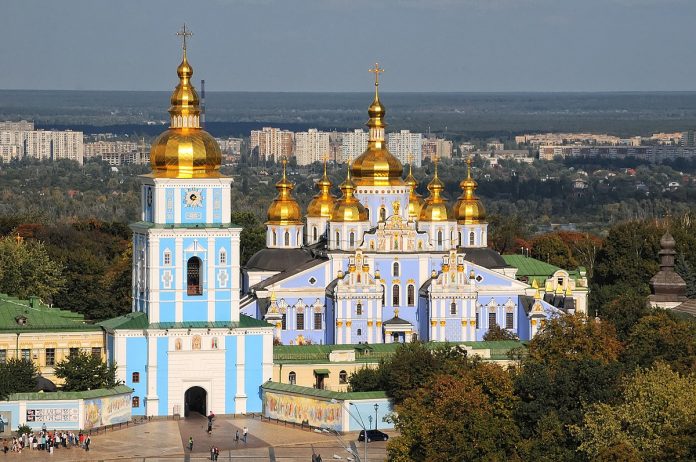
column 194, row 198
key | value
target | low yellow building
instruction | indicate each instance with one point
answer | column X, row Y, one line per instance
column 329, row 367
column 29, row 329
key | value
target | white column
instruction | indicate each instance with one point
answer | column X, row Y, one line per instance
column 179, row 285
column 209, row 205
column 153, row 280
column 235, row 275
column 212, row 260
column 151, row 398
column 240, row 397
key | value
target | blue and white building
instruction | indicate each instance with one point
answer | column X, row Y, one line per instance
column 185, row 346
column 380, row 264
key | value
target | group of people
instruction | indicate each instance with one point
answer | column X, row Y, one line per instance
column 215, row 451
column 46, row 441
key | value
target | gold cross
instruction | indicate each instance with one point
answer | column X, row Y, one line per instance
column 376, row 70
column 183, row 33
column 409, row 157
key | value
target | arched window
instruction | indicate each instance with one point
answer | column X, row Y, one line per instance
column 439, row 237
column 343, row 376
column 167, row 257
column 292, row 378
column 351, row 239
column 384, row 290
column 453, row 307
column 359, row 333
column 382, row 213
column 338, row 238
column 395, row 269
column 460, row 239
column 367, row 212
column 411, row 295
column 358, row 309
column 314, row 233
column 395, row 295
column 136, row 401
column 136, row 377
column 223, row 256
column 275, row 238
column 287, row 238
column 194, row 284
column 472, row 238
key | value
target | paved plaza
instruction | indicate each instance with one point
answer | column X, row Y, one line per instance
column 166, row 440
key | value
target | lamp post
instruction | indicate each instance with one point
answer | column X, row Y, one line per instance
column 360, row 422
column 376, row 408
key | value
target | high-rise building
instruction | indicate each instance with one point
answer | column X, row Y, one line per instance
column 99, row 148
column 406, row 145
column 22, row 125
column 272, row 143
column 311, row 146
column 352, row 145
column 436, row 147
column 40, row 144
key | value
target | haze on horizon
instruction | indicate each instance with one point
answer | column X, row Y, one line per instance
column 328, row 45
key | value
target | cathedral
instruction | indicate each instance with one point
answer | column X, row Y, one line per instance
column 381, row 264
column 185, row 347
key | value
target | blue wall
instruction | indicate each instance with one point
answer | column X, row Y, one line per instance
column 230, row 373
column 253, row 375
column 365, row 409
column 14, row 409
column 163, row 375
column 136, row 360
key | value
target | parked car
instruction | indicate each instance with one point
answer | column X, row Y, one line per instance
column 373, row 435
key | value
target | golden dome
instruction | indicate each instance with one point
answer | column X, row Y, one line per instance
column 468, row 209
column 323, row 203
column 185, row 150
column 348, row 207
column 284, row 210
column 415, row 201
column 377, row 166
column 435, row 208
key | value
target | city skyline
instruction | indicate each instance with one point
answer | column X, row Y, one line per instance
column 445, row 45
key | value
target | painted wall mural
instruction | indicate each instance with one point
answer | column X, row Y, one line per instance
column 107, row 411
column 297, row 409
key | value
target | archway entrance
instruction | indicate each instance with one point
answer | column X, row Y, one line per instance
column 195, row 400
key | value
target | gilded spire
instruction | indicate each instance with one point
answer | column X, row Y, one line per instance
column 284, row 209
column 323, row 202
column 185, row 150
column 377, row 166
column 435, row 208
column 415, row 201
column 348, row 207
column 468, row 209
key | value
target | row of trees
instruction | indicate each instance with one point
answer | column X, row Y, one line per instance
column 583, row 390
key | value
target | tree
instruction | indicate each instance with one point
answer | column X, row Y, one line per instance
column 253, row 237
column 409, row 368
column 504, row 231
column 83, row 371
column 17, row 376
column 657, row 405
column 496, row 332
column 551, row 249
column 366, row 379
column 26, row 269
column 624, row 312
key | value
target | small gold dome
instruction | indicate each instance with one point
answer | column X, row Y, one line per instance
column 415, row 201
column 284, row 210
column 377, row 166
column 185, row 150
column 348, row 207
column 468, row 209
column 435, row 208
column 322, row 204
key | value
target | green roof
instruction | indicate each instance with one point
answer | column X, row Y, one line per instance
column 322, row 371
column 57, row 395
column 326, row 394
column 138, row 320
column 32, row 315
column 530, row 267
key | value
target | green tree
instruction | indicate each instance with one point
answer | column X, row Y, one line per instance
column 26, row 269
column 17, row 376
column 498, row 333
column 83, row 371
column 505, row 231
column 552, row 249
column 412, row 365
column 624, row 312
column 657, row 404
column 253, row 237
column 366, row 379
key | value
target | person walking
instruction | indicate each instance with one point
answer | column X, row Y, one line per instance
column 190, row 444
column 236, row 437
column 87, row 441
column 245, row 432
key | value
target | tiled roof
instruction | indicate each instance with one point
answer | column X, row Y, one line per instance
column 319, row 393
column 33, row 316
column 138, row 321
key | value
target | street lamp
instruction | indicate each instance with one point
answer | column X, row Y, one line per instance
column 361, row 422
column 376, row 408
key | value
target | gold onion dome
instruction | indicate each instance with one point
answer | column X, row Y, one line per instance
column 348, row 207
column 323, row 203
column 377, row 166
column 284, row 210
column 185, row 150
column 415, row 201
column 468, row 209
column 435, row 208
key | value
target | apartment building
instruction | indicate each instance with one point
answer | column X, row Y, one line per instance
column 436, row 147
column 272, row 143
column 352, row 145
column 405, row 145
column 311, row 146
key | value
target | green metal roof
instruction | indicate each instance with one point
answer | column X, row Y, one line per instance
column 57, row 395
column 528, row 266
column 138, row 321
column 33, row 316
column 322, row 372
column 325, row 394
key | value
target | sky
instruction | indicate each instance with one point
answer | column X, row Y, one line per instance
column 328, row 45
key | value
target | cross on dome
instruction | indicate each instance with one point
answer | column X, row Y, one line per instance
column 376, row 70
column 184, row 33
